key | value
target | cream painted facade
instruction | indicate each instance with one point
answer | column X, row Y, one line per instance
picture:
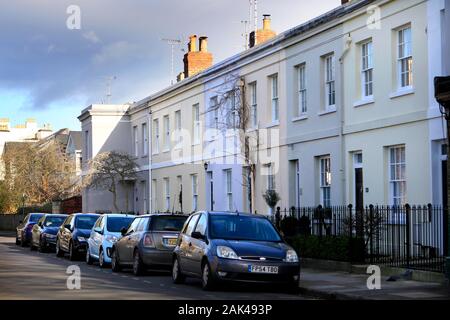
column 324, row 148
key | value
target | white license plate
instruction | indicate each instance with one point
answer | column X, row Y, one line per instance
column 171, row 242
column 262, row 269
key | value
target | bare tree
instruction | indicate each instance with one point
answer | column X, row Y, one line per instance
column 108, row 170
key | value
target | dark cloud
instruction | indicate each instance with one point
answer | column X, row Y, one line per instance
column 40, row 55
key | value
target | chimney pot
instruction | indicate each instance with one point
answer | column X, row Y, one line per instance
column 203, row 43
column 266, row 22
column 192, row 46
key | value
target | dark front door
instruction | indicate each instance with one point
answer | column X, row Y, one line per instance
column 444, row 184
column 359, row 188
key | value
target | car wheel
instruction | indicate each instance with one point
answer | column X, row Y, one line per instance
column 138, row 265
column 17, row 239
column 101, row 259
column 22, row 241
column 115, row 264
column 177, row 276
column 41, row 247
column 88, row 256
column 208, row 281
column 32, row 247
column 72, row 252
column 59, row 252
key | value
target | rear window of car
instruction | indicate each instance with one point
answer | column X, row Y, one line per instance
column 167, row 223
column 85, row 222
column 235, row 227
column 35, row 217
column 54, row 221
column 115, row 224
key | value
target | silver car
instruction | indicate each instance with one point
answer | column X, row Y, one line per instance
column 147, row 243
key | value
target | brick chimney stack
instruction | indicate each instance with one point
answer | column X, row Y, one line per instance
column 264, row 34
column 197, row 61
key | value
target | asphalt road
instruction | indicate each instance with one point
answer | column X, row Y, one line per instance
column 26, row 274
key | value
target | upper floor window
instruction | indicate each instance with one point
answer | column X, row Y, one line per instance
column 136, row 141
column 156, row 136
column 253, row 106
column 178, row 126
column 367, row 69
column 330, row 90
column 301, row 88
column 405, row 59
column 196, row 123
column 274, row 97
column 166, row 125
column 144, row 139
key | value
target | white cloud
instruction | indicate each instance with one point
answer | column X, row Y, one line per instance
column 91, row 36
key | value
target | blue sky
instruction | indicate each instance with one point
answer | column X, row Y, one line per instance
column 51, row 73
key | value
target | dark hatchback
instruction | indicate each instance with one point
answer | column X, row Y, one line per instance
column 23, row 230
column 147, row 243
column 73, row 234
column 222, row 246
column 43, row 233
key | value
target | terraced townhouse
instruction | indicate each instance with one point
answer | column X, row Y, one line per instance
column 337, row 110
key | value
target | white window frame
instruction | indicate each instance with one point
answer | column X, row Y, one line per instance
column 367, row 69
column 166, row 126
column 325, row 180
column 404, row 58
column 194, row 185
column 302, row 107
column 167, row 194
column 330, row 82
column 274, row 102
column 229, row 188
column 196, row 123
column 270, row 177
column 397, row 175
column 253, row 104
column 136, row 141
column 179, row 136
column 144, row 139
column 155, row 136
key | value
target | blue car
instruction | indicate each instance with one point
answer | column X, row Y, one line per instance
column 23, row 230
column 73, row 234
column 106, row 231
column 43, row 233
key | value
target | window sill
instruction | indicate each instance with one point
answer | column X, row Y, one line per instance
column 251, row 130
column 364, row 102
column 300, row 118
column 328, row 110
column 166, row 150
column 402, row 92
column 273, row 124
column 195, row 144
column 155, row 153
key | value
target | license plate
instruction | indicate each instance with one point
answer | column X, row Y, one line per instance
column 262, row 269
column 171, row 242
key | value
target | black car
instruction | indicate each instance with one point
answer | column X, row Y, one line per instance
column 73, row 234
column 223, row 246
column 43, row 233
column 23, row 230
column 147, row 243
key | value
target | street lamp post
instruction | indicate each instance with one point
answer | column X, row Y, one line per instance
column 442, row 94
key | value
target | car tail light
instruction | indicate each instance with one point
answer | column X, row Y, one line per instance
column 148, row 241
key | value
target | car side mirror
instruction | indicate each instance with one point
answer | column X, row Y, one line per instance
column 197, row 235
column 123, row 231
column 98, row 230
column 20, row 222
column 68, row 227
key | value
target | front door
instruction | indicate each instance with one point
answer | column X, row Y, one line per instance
column 444, row 184
column 211, row 190
column 359, row 188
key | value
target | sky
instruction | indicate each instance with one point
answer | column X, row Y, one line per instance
column 51, row 72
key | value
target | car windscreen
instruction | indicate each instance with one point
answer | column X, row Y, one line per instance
column 54, row 221
column 85, row 222
column 35, row 217
column 115, row 224
column 235, row 227
column 168, row 223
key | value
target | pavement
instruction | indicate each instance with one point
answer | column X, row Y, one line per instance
column 344, row 285
column 26, row 275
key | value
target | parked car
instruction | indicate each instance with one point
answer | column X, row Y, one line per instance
column 147, row 243
column 222, row 246
column 23, row 230
column 43, row 233
column 104, row 234
column 73, row 234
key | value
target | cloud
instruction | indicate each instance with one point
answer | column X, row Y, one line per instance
column 91, row 36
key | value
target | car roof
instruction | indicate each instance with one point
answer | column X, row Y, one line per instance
column 245, row 214
column 55, row 215
column 119, row 215
column 85, row 214
column 163, row 215
column 37, row 213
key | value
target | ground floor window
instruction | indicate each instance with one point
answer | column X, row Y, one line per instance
column 325, row 181
column 397, row 175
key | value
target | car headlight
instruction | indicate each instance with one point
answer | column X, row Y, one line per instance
column 81, row 239
column 291, row 256
column 226, row 252
column 111, row 239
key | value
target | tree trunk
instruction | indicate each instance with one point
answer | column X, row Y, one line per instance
column 114, row 193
